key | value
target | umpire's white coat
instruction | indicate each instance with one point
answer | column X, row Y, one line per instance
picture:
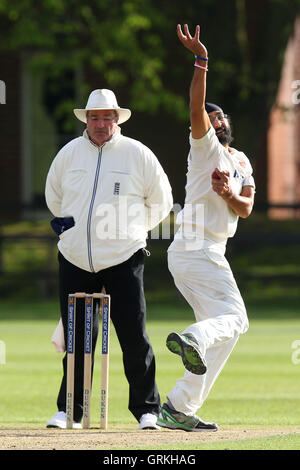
column 116, row 193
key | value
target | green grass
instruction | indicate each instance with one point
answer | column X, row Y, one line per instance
column 259, row 386
column 284, row 442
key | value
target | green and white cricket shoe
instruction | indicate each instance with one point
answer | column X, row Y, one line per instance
column 172, row 419
column 187, row 347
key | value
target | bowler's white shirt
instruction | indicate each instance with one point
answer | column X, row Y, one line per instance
column 206, row 219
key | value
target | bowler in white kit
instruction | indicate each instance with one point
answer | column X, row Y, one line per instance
column 219, row 189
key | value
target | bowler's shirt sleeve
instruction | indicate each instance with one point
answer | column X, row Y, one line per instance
column 249, row 181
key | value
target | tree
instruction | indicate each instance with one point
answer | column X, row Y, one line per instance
column 132, row 46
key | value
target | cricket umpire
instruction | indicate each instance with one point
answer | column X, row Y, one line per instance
column 106, row 191
column 219, row 189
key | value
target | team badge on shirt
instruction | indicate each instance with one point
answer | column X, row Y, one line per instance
column 238, row 175
column 117, row 189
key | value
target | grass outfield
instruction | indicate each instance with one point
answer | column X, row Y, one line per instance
column 258, row 390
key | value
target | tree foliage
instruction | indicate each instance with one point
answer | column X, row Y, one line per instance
column 132, row 46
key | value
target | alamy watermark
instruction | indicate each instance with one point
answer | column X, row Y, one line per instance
column 2, row 92
column 2, row 353
column 296, row 94
column 296, row 353
column 125, row 220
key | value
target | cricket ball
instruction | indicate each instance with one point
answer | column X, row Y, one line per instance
column 215, row 176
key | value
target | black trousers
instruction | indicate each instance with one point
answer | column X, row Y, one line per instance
column 124, row 283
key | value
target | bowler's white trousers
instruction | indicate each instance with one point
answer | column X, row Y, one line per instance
column 205, row 279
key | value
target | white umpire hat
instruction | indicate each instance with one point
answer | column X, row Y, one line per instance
column 100, row 100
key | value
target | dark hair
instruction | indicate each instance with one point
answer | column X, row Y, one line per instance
column 210, row 107
column 227, row 138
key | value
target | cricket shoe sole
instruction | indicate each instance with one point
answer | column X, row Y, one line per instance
column 187, row 347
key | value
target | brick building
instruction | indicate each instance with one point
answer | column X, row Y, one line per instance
column 284, row 135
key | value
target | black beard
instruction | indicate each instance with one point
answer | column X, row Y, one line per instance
column 225, row 138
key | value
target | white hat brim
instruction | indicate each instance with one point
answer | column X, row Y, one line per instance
column 124, row 114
